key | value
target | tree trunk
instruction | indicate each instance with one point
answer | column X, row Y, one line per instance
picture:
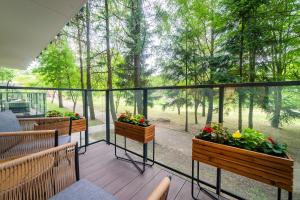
column 241, row 96
column 53, row 96
column 196, row 105
column 278, row 104
column 117, row 103
column 196, row 114
column 60, row 99
column 109, row 67
column 79, row 36
column 136, row 14
column 74, row 106
column 265, row 103
column 134, row 106
column 88, row 63
column 210, row 106
column 178, row 110
column 203, row 105
column 252, row 62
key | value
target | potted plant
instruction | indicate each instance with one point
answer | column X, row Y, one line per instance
column 54, row 113
column 248, row 153
column 78, row 122
column 135, row 127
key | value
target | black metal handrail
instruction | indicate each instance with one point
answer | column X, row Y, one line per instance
column 225, row 85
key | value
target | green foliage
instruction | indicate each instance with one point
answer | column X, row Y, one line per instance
column 138, row 120
column 6, row 74
column 54, row 113
column 72, row 115
column 249, row 139
column 58, row 67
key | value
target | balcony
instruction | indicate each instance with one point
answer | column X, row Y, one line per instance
column 173, row 142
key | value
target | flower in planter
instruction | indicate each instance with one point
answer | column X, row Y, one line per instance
column 207, row 129
column 214, row 132
column 142, row 120
column 72, row 115
column 249, row 139
column 133, row 119
column 237, row 135
column 54, row 113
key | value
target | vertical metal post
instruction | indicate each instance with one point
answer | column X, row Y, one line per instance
column 221, row 104
column 145, row 103
column 107, row 111
column 290, row 196
column 70, row 126
column 86, row 108
column 77, row 162
column 218, row 185
column 221, row 120
column 45, row 101
column 192, row 180
column 56, row 138
column 145, row 154
column 1, row 101
column 279, row 194
column 36, row 103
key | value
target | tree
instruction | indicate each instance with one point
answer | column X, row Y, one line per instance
column 58, row 67
column 88, row 62
column 6, row 75
column 109, row 65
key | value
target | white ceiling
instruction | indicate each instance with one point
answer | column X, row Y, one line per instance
column 27, row 27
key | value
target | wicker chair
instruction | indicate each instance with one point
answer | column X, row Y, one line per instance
column 41, row 175
column 37, row 134
column 162, row 190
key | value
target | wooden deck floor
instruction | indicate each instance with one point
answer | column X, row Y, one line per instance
column 123, row 180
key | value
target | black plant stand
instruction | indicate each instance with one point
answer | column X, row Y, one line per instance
column 208, row 193
column 135, row 162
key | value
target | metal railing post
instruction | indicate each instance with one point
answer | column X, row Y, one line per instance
column 45, row 102
column 221, row 104
column 107, row 117
column 221, row 120
column 86, row 108
column 145, row 103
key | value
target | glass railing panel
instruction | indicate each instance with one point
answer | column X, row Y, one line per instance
column 274, row 111
column 97, row 127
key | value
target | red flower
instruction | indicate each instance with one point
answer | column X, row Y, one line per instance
column 271, row 140
column 76, row 114
column 207, row 129
column 142, row 120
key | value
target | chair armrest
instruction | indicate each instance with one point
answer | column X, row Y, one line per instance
column 162, row 190
column 18, row 144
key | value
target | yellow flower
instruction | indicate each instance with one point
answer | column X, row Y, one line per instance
column 131, row 118
column 237, row 135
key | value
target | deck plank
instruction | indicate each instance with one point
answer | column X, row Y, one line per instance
column 123, row 180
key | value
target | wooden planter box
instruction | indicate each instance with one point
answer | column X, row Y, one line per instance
column 272, row 170
column 62, row 124
column 137, row 133
column 78, row 125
